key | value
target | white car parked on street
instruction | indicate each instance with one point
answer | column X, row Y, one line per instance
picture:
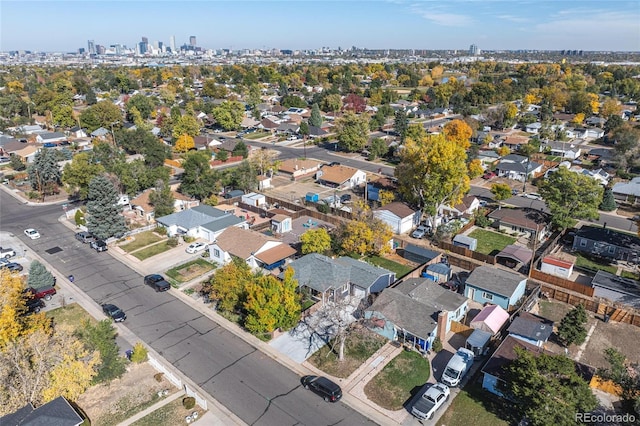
column 32, row 233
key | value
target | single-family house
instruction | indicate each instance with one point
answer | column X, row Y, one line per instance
column 297, row 168
column 496, row 286
column 9, row 145
column 329, row 279
column 341, row 177
column 317, row 132
column 467, row 206
column 558, row 264
column 515, row 142
column 564, row 149
column 525, row 221
column 258, row 250
column 605, row 242
column 596, row 121
column 516, row 167
column 57, row 412
column 628, row 192
column 143, row 207
column 531, row 328
column 288, row 128
column 399, row 216
column 200, row 222
column 514, row 255
column 27, row 153
column 78, row 132
column 268, row 124
column 281, row 223
column 51, row 137
column 617, row 289
column 100, row 133
column 415, row 312
column 491, row 319
column 488, row 158
column 533, row 128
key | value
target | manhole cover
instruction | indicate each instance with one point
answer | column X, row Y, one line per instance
column 53, row 250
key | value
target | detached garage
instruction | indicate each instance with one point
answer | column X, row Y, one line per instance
column 399, row 216
column 558, row 266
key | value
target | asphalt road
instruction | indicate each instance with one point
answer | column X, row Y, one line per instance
column 253, row 386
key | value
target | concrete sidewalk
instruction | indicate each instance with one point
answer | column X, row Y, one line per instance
column 153, row 408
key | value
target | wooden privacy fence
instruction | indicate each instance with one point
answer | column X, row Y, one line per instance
column 463, row 251
column 562, row 282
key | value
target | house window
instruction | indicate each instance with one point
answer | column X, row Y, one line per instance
column 487, row 296
column 612, row 249
column 216, row 252
column 583, row 243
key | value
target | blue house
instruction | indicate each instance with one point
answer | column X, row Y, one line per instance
column 495, row 286
column 410, row 311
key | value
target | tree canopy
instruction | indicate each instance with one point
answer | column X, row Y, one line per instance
column 77, row 174
column 352, row 131
column 44, row 173
column 315, row 241
column 104, row 218
column 229, row 114
column 572, row 326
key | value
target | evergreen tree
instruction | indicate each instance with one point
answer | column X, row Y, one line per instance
column 91, row 98
column 316, row 118
column 240, row 149
column 572, row 327
column 162, row 200
column 104, row 218
column 608, row 201
column 44, row 173
column 16, row 163
column 102, row 337
column 39, row 276
column 401, row 124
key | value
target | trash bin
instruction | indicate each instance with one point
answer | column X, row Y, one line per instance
column 606, row 318
column 71, row 278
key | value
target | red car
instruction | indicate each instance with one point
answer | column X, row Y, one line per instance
column 488, row 175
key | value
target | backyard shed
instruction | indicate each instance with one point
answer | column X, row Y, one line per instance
column 490, row 319
column 438, row 272
column 254, row 199
column 478, row 342
column 419, row 254
column 312, row 197
column 557, row 265
column 465, row 241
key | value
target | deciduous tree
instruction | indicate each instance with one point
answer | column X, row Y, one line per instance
column 104, row 218
column 185, row 125
column 271, row 304
column 198, row 180
column 77, row 174
column 458, row 131
column 101, row 337
column 401, row 124
column 378, row 148
column 315, row 241
column 162, row 200
column 386, row 197
column 229, row 283
column 240, row 149
column 475, row 168
column 102, row 114
column 570, row 197
column 184, row 143
column 229, row 114
column 501, row 191
column 352, row 131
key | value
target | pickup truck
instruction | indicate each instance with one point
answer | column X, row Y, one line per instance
column 430, row 401
column 458, row 367
column 157, row 282
column 7, row 252
column 45, row 293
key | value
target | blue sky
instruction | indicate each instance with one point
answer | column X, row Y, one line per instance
column 305, row 24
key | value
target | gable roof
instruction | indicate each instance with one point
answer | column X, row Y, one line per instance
column 241, row 242
column 275, row 254
column 491, row 317
column 337, row 174
column 609, row 236
column 316, row 131
column 506, row 353
column 100, row 131
column 531, row 326
column 51, row 135
column 398, row 208
column 525, row 218
column 206, row 216
column 57, row 412
column 517, row 253
column 616, row 283
column 628, row 188
column 429, row 293
column 495, row 280
column 361, row 273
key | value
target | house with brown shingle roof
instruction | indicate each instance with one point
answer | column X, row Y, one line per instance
column 297, row 168
column 524, row 221
column 339, row 176
column 258, row 250
column 399, row 216
column 143, row 207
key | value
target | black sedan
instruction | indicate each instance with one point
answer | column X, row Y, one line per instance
column 13, row 266
column 113, row 312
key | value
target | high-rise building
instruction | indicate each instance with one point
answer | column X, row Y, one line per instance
column 172, row 43
column 192, row 41
column 473, row 50
column 91, row 47
column 143, row 46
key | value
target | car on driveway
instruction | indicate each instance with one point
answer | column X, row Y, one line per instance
column 7, row 252
column 324, row 387
column 488, row 175
column 113, row 312
column 32, row 233
column 196, row 247
column 420, row 232
column 33, row 305
column 157, row 282
column 12, row 266
column 430, row 401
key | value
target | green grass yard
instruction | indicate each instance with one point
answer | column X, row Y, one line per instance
column 490, row 242
column 400, row 269
column 142, row 239
column 475, row 406
column 585, row 262
column 147, row 252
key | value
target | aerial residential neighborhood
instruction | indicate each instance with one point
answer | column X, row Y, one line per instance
column 319, row 236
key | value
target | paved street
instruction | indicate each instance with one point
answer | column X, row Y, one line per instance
column 252, row 385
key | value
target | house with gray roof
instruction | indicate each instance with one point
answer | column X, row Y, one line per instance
column 410, row 311
column 531, row 329
column 627, row 191
column 51, row 137
column 516, row 167
column 57, row 412
column 607, row 243
column 200, row 222
column 617, row 289
column 496, row 286
column 100, row 132
column 330, row 279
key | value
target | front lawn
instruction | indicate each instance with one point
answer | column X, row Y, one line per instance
column 257, row 135
column 400, row 269
column 142, row 239
column 147, row 252
column 190, row 270
column 475, row 406
column 585, row 262
column 71, row 314
column 490, row 242
column 360, row 345
column 173, row 413
column 391, row 388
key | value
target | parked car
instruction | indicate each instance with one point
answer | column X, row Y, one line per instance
column 489, row 175
column 196, row 247
column 324, row 387
column 420, row 232
column 7, row 252
column 99, row 245
column 113, row 312
column 12, row 266
column 85, row 237
column 32, row 233
column 157, row 282
column 345, row 198
column 514, row 192
column 46, row 292
column 532, row 196
column 430, row 401
column 33, row 305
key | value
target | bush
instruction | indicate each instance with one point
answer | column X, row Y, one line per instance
column 33, row 195
column 482, row 221
column 161, row 230
column 158, row 377
column 323, row 208
column 437, row 345
column 188, row 402
column 139, row 353
column 172, row 242
column 188, row 240
column 79, row 218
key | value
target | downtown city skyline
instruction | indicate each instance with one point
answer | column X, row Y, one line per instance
column 64, row 26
